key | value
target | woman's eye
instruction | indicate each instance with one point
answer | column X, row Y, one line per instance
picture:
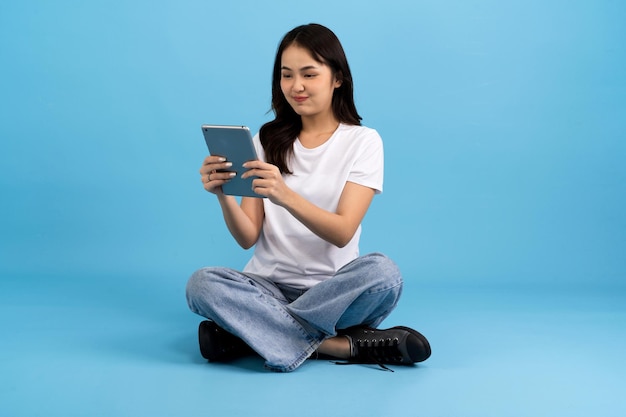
column 309, row 75
column 286, row 75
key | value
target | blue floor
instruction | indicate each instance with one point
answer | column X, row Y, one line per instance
column 126, row 346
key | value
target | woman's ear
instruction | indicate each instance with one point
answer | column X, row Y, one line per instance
column 338, row 79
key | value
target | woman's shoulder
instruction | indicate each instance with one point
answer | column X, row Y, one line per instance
column 361, row 134
column 356, row 128
column 358, row 131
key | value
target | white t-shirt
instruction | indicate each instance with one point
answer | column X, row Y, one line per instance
column 287, row 252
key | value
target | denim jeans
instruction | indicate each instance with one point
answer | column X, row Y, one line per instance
column 285, row 325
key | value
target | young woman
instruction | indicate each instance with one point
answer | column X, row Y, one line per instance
column 305, row 291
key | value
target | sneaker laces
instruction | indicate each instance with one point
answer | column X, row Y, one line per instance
column 375, row 351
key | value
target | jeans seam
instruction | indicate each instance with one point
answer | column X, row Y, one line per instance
column 386, row 288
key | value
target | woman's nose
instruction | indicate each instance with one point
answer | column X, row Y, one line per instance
column 297, row 85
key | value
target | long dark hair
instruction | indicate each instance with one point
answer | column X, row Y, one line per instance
column 278, row 136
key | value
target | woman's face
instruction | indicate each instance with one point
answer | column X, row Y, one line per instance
column 307, row 84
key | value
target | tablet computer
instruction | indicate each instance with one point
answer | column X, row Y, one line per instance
column 235, row 144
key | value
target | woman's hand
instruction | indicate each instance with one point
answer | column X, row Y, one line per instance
column 269, row 183
column 211, row 178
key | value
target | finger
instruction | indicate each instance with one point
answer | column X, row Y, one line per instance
column 210, row 161
column 257, row 164
column 220, row 176
column 259, row 190
column 205, row 169
column 214, row 159
column 252, row 164
column 256, row 172
column 262, row 184
column 248, row 173
column 214, row 185
column 268, row 174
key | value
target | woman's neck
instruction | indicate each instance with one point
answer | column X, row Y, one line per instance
column 316, row 131
column 319, row 122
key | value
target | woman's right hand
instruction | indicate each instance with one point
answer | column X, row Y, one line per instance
column 212, row 179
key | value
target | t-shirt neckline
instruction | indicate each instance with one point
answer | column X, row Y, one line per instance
column 323, row 145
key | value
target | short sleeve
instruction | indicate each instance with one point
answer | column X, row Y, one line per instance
column 368, row 167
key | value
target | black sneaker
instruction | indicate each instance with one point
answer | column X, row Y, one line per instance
column 395, row 346
column 217, row 345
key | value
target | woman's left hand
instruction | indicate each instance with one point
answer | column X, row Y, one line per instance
column 269, row 183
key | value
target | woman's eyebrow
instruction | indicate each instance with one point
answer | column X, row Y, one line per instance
column 308, row 67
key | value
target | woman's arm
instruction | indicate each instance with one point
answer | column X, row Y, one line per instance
column 337, row 228
column 243, row 221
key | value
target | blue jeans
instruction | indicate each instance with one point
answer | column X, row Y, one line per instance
column 285, row 325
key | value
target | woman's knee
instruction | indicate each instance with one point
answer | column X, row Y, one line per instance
column 201, row 283
column 374, row 271
column 383, row 267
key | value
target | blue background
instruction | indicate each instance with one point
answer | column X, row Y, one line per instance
column 504, row 125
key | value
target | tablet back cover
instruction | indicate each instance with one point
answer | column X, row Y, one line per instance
column 235, row 144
